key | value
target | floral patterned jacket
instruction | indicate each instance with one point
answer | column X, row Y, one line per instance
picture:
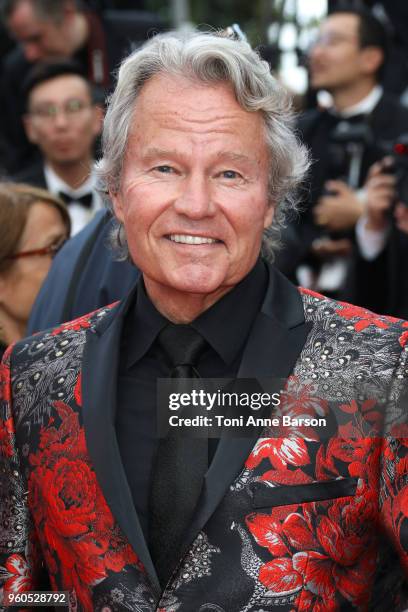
column 290, row 519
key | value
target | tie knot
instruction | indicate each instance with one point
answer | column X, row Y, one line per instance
column 182, row 345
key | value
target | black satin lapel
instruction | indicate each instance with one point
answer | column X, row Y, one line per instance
column 272, row 350
column 99, row 385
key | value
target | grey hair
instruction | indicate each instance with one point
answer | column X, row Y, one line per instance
column 209, row 58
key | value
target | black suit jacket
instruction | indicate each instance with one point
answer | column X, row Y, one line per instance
column 382, row 284
column 32, row 175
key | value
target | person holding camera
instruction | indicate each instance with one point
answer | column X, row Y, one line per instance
column 347, row 61
column 379, row 276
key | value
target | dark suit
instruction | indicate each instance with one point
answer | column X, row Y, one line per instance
column 382, row 283
column 32, row 175
column 294, row 522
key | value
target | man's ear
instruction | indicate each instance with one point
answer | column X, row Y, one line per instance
column 372, row 59
column 269, row 214
column 29, row 129
column 99, row 115
column 117, row 202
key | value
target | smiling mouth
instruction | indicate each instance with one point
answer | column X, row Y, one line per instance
column 188, row 239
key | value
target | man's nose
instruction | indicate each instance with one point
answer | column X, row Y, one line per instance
column 195, row 199
column 317, row 48
column 61, row 119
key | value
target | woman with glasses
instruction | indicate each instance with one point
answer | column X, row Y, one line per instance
column 33, row 226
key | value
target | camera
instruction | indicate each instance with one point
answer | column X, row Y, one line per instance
column 399, row 167
column 348, row 146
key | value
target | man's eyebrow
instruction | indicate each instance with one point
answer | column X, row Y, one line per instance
column 153, row 152
column 236, row 157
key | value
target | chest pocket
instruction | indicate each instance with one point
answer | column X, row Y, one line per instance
column 269, row 497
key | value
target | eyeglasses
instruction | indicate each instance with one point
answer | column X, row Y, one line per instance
column 71, row 108
column 52, row 250
column 331, row 39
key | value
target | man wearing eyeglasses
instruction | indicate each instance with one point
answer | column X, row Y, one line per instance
column 64, row 122
column 47, row 29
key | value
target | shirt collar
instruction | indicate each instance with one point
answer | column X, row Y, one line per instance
column 365, row 106
column 56, row 184
column 143, row 324
column 224, row 326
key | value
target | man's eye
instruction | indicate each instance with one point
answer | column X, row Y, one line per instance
column 230, row 174
column 164, row 169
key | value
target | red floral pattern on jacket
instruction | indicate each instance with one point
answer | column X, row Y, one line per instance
column 79, row 537
column 325, row 552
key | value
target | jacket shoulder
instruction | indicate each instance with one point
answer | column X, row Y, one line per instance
column 72, row 333
column 14, row 63
column 391, row 103
column 333, row 314
column 307, row 119
column 32, row 174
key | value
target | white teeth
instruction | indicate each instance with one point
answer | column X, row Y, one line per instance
column 186, row 239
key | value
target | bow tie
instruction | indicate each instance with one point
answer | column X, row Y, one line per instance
column 85, row 200
column 358, row 119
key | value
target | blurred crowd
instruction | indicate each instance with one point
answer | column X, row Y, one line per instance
column 349, row 239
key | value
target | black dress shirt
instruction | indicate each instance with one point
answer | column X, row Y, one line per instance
column 225, row 326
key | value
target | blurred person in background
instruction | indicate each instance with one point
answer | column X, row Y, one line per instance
column 84, row 276
column 47, row 29
column 379, row 275
column 33, row 226
column 63, row 121
column 346, row 60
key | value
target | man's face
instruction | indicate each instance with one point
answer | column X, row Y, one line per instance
column 336, row 59
column 62, row 120
column 40, row 38
column 194, row 189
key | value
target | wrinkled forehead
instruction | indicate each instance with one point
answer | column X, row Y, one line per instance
column 202, row 113
column 166, row 86
column 173, row 99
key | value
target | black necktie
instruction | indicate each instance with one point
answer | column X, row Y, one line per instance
column 181, row 462
column 85, row 200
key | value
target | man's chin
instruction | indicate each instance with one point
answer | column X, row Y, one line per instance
column 318, row 82
column 198, row 286
column 189, row 280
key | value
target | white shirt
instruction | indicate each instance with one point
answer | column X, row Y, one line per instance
column 79, row 214
column 370, row 242
column 365, row 106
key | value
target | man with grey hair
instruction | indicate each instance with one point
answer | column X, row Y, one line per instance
column 199, row 159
